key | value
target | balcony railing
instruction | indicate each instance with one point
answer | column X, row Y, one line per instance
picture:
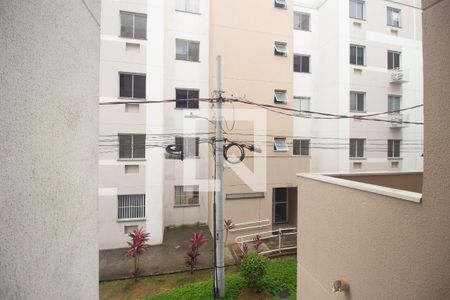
column 276, row 241
column 399, row 76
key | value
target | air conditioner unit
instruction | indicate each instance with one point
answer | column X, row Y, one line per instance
column 399, row 76
column 396, row 121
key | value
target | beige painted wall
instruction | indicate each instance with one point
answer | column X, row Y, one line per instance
column 387, row 248
column 244, row 33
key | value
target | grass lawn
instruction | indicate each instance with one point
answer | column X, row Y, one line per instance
column 282, row 276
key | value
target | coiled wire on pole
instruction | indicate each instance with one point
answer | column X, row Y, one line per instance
column 230, row 145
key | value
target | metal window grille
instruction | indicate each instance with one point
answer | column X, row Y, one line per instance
column 131, row 207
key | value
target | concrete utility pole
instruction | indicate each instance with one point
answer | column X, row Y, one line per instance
column 220, row 265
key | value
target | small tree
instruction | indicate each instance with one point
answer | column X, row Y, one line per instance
column 244, row 250
column 253, row 269
column 196, row 240
column 228, row 224
column 257, row 242
column 137, row 246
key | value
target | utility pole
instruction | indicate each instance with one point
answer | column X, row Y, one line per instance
column 218, row 187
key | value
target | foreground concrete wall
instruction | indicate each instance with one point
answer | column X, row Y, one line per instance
column 49, row 55
column 404, row 181
column 387, row 248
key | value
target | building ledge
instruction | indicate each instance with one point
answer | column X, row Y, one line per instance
column 371, row 188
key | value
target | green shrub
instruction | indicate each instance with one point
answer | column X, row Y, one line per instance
column 203, row 290
column 254, row 268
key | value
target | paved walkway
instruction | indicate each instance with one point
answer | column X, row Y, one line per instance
column 166, row 258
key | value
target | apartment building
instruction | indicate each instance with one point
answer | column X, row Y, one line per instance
column 357, row 58
column 157, row 50
column 151, row 50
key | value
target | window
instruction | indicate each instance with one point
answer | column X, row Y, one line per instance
column 280, row 96
column 192, row 6
column 280, row 144
column 301, row 21
column 394, row 104
column 133, row 25
column 357, row 9
column 357, row 101
column 301, row 63
column 280, row 49
column 393, row 17
column 357, row 147
column 187, row 50
column 131, row 146
column 130, row 207
column 301, row 147
column 302, row 103
column 189, row 145
column 280, row 4
column 393, row 148
column 132, row 85
column 186, row 195
column 357, row 55
column 393, row 60
column 183, row 96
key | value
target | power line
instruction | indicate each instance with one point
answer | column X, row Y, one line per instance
column 323, row 115
column 276, row 109
column 156, row 101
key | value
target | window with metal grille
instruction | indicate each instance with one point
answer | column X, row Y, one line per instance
column 301, row 147
column 393, row 17
column 394, row 104
column 190, row 146
column 357, row 55
column 133, row 25
column 131, row 146
column 280, row 144
column 186, row 195
column 192, row 6
column 131, row 207
column 132, row 85
column 357, row 9
column 393, row 148
column 280, row 49
column 301, row 21
column 301, row 63
column 357, row 101
column 183, row 97
column 187, row 50
column 357, row 147
column 393, row 60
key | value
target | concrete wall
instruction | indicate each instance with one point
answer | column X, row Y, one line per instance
column 49, row 122
column 404, row 181
column 384, row 247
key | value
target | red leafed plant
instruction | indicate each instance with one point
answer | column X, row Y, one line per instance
column 137, row 246
column 228, row 224
column 257, row 242
column 196, row 240
column 244, row 250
